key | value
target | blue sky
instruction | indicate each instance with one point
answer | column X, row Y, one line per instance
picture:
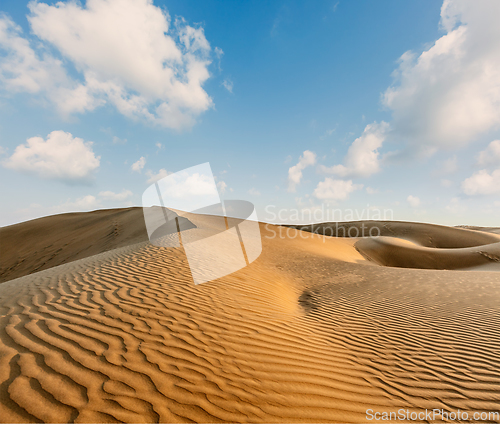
column 304, row 106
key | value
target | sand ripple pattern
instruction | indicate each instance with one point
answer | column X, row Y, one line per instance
column 296, row 336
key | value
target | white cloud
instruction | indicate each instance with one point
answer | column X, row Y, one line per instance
column 109, row 195
column 180, row 186
column 370, row 190
column 228, row 84
column 82, row 204
column 61, row 156
column 127, row 53
column 446, row 183
column 21, row 69
column 35, row 210
column 222, row 186
column 362, row 158
column 218, row 52
column 491, row 155
column 482, row 183
column 137, row 166
column 449, row 94
column 330, row 189
column 413, row 201
column 155, row 177
column 308, row 158
column 118, row 140
column 254, row 192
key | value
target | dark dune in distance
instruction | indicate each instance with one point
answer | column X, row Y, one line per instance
column 50, row 241
column 419, row 245
column 428, row 235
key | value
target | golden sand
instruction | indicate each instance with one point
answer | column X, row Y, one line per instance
column 311, row 331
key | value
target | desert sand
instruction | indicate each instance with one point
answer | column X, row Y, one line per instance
column 98, row 325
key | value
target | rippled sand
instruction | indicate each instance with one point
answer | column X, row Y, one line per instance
column 310, row 331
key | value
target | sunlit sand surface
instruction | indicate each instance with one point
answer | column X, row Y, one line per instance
column 316, row 329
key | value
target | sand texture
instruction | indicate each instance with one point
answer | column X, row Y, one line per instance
column 46, row 242
column 314, row 330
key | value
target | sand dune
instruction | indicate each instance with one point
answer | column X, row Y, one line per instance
column 46, row 242
column 396, row 252
column 428, row 235
column 309, row 332
column 419, row 245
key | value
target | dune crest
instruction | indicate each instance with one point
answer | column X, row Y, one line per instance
column 50, row 241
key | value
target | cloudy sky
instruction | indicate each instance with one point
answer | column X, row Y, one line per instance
column 296, row 105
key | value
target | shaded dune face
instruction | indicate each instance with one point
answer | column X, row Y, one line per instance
column 43, row 243
column 310, row 332
column 393, row 252
column 428, row 235
column 417, row 245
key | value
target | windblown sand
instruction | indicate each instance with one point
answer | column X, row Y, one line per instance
column 316, row 329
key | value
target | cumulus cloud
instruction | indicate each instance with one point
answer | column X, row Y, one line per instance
column 21, row 69
column 137, row 166
column 120, row 197
column 127, row 53
column 153, row 178
column 486, row 181
column 331, row 189
column 362, row 159
column 81, row 204
column 222, row 186
column 450, row 94
column 118, row 140
column 482, row 183
column 228, row 84
column 61, row 156
column 181, row 186
column 308, row 158
column 254, row 192
column 491, row 155
column 156, row 177
column 413, row 201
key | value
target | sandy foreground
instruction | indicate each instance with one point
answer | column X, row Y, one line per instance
column 105, row 327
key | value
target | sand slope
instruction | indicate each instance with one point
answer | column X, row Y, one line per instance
column 428, row 235
column 419, row 245
column 43, row 243
column 310, row 331
column 389, row 251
